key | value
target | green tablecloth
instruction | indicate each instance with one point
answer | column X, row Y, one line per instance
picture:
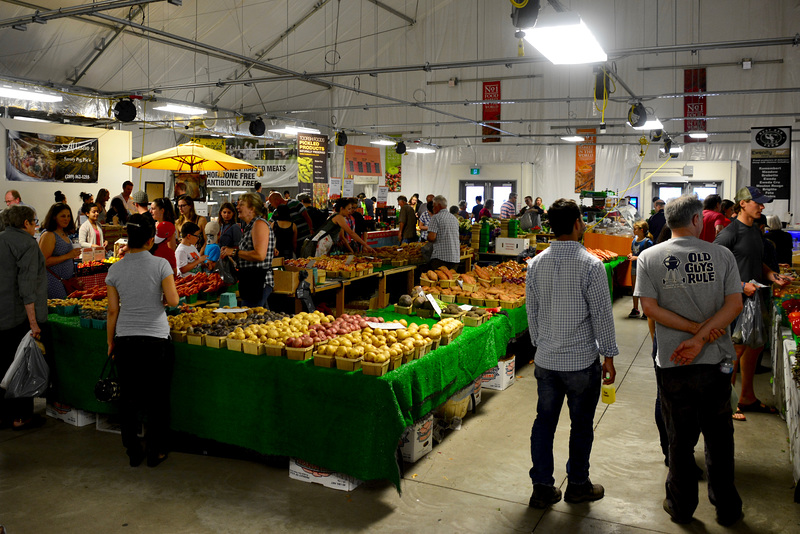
column 344, row 421
column 610, row 266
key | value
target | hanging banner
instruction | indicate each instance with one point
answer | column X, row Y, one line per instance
column 694, row 81
column 363, row 161
column 312, row 167
column 335, row 188
column 276, row 161
column 771, row 161
column 383, row 195
column 585, row 154
column 394, row 163
column 214, row 143
column 34, row 157
column 491, row 112
column 347, row 187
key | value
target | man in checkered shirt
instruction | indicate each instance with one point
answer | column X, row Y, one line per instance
column 570, row 323
column 443, row 233
column 509, row 207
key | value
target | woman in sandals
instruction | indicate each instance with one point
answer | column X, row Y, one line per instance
column 138, row 338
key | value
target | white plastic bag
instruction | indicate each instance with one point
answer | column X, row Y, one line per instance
column 27, row 376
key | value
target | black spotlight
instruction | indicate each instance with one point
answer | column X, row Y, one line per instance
column 257, row 127
column 341, row 139
column 400, row 148
column 125, row 110
column 637, row 115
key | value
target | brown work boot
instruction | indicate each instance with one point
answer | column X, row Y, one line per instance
column 587, row 491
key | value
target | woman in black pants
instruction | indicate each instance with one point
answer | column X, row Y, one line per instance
column 138, row 286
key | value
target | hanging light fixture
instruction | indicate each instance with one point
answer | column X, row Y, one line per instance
column 377, row 140
column 698, row 134
column 422, row 150
column 640, row 118
column 32, row 96
column 564, row 39
column 183, row 110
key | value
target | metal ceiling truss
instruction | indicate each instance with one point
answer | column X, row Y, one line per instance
column 41, row 17
column 394, row 12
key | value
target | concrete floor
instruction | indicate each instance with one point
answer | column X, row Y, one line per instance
column 61, row 479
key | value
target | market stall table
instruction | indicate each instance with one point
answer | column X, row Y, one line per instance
column 344, row 421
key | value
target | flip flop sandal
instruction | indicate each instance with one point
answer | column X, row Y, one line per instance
column 739, row 416
column 757, row 407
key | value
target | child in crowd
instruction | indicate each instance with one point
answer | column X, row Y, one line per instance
column 187, row 258
column 642, row 240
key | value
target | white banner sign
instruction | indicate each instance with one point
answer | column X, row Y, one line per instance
column 276, row 173
column 347, row 188
column 335, row 187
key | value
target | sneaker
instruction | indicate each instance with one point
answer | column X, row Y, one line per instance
column 544, row 495
column 634, row 314
column 644, row 316
column 678, row 519
column 584, row 492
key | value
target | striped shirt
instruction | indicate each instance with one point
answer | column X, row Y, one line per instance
column 296, row 211
column 507, row 210
column 247, row 244
column 447, row 247
column 569, row 308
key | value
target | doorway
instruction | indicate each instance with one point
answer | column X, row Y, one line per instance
column 497, row 190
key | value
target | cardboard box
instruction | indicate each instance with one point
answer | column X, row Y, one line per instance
column 70, row 415
column 111, row 423
column 285, row 281
column 323, row 360
column 499, row 377
column 374, row 369
column 347, row 364
column 417, row 440
column 235, row 345
column 299, row 353
column 273, row 350
column 254, row 349
column 196, row 339
column 216, row 342
column 307, row 472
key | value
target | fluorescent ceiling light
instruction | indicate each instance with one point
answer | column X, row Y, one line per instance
column 381, row 141
column 294, row 130
column 185, row 110
column 675, row 149
column 30, row 119
column 564, row 39
column 422, row 150
column 698, row 135
column 33, row 96
column 228, row 136
column 573, row 138
column 652, row 124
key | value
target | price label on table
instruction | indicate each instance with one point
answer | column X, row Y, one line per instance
column 435, row 304
column 349, row 259
column 384, row 326
column 310, row 264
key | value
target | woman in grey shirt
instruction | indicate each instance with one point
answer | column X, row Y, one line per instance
column 138, row 285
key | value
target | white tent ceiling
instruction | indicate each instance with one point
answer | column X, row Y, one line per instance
column 382, row 66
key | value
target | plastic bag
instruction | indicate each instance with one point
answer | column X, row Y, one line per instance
column 27, row 376
column 750, row 327
column 227, row 271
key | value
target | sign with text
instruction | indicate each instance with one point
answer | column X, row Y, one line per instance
column 491, row 112
column 214, row 143
column 585, row 157
column 312, row 163
column 35, row 157
column 335, row 188
column 771, row 161
column 348, row 187
column 383, row 195
column 694, row 81
column 362, row 161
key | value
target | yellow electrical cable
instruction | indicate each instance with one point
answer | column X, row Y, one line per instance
column 519, row 5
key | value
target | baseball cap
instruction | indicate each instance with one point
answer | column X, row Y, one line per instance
column 162, row 231
column 752, row 193
column 140, row 197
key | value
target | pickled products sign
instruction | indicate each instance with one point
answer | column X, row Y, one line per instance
column 33, row 157
column 771, row 161
column 312, row 162
column 585, row 160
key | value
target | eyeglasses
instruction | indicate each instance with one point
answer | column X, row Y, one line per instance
column 180, row 206
column 196, row 236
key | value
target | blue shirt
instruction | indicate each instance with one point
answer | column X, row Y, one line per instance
column 569, row 308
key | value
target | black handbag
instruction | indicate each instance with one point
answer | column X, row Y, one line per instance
column 107, row 387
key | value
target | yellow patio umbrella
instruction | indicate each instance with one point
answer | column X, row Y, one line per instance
column 189, row 157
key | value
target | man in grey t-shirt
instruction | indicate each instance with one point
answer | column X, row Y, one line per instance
column 692, row 290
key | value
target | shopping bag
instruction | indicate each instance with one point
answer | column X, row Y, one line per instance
column 107, row 389
column 750, row 327
column 27, row 376
column 227, row 271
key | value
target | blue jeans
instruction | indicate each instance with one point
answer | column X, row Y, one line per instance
column 582, row 390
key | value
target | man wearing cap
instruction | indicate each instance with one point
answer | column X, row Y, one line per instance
column 125, row 196
column 657, row 220
column 141, row 205
column 743, row 238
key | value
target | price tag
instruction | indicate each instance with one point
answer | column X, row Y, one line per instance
column 349, row 259
column 310, row 264
column 460, row 283
column 384, row 326
column 435, row 304
column 465, row 307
